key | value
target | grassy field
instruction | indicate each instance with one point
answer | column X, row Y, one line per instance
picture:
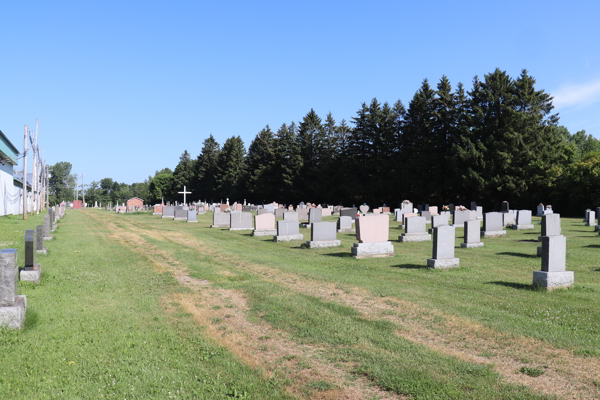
column 135, row 306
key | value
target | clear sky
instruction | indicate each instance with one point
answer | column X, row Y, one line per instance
column 122, row 88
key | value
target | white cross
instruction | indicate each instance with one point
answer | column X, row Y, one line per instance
column 184, row 193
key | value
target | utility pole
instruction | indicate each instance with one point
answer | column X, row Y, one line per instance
column 25, row 174
column 34, row 176
column 82, row 190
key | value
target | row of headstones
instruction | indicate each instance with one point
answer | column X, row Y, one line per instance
column 13, row 306
column 591, row 217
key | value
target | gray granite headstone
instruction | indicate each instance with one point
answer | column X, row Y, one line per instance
column 9, row 275
column 262, row 211
column 181, row 214
column 302, row 214
column 279, row 212
column 221, row 219
column 524, row 217
column 349, row 212
column 30, row 248
column 290, row 216
column 472, row 232
column 169, row 212
column 314, row 215
column 427, row 215
column 345, row 223
column 241, row 220
column 191, row 215
column 444, row 238
column 554, row 253
column 323, row 231
column 493, row 222
column 285, row 228
column 415, row 225
column 47, row 226
column 460, row 216
column 439, row 220
column 551, row 225
column 39, row 233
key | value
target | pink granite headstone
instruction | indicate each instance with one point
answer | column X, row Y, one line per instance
column 372, row 228
column 264, row 222
column 377, row 211
column 238, row 207
column 407, row 215
column 433, row 210
column 223, row 207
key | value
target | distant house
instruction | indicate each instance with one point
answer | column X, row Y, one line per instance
column 11, row 186
column 134, row 202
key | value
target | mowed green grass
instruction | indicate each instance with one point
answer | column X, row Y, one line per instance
column 97, row 329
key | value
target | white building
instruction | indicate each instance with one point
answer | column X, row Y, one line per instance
column 11, row 187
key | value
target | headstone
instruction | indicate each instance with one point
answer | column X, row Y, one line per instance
column 591, row 219
column 473, row 206
column 279, row 212
column 314, row 215
column 523, row 220
column 540, row 210
column 191, row 216
column 479, row 213
column 419, row 207
column 377, row 211
column 223, row 207
column 553, row 274
column 221, row 220
column 269, row 207
column 437, row 220
column 444, row 238
column 508, row 218
column 427, row 216
column 12, row 306
column 322, row 235
column 344, row 225
column 415, row 230
column 460, row 216
column 349, row 212
column 550, row 227
column 31, row 270
column 168, row 212
column 433, row 210
column 39, row 233
column 407, row 215
column 372, row 233
column 302, row 214
column 264, row 225
column 406, row 206
column 288, row 231
column 326, row 212
column 241, row 221
column 292, row 216
column 262, row 211
column 493, row 225
column 47, row 225
column 472, row 235
column 364, row 209
column 505, row 206
column 399, row 215
column 180, row 214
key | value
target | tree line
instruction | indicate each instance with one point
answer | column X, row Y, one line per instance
column 498, row 141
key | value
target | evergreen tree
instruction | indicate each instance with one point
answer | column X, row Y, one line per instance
column 288, row 163
column 184, row 176
column 160, row 188
column 311, row 141
column 231, row 168
column 260, row 182
column 206, row 169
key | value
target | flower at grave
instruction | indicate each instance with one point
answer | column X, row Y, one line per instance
column 446, row 208
column 548, row 207
column 405, row 201
column 460, row 208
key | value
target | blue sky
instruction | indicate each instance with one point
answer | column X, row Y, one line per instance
column 123, row 88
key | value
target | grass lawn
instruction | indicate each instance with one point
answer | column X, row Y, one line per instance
column 135, row 306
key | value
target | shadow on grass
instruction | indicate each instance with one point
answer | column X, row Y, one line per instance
column 410, row 266
column 594, row 246
column 527, row 241
column 585, row 231
column 597, row 270
column 532, row 233
column 513, row 285
column 511, row 253
column 342, row 255
column 31, row 319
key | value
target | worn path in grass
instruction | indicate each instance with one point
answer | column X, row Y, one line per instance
column 261, row 345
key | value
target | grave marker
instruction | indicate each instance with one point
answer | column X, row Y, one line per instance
column 39, row 232
column 523, row 220
column 31, row 271
column 372, row 232
column 553, row 274
column 322, row 235
column 472, row 235
column 264, row 225
column 344, row 225
column 415, row 230
column 493, row 224
column 241, row 221
column 288, row 231
column 444, row 238
column 12, row 306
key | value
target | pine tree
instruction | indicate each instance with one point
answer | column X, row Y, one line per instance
column 231, row 168
column 311, row 143
column 184, row 176
column 288, row 164
column 260, row 182
column 206, row 169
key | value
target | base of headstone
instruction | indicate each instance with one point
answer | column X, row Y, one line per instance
column 166, row 216
column 415, row 237
column 597, row 228
column 320, row 244
column 13, row 317
column 30, row 274
column 47, row 238
column 553, row 280
column 289, row 238
column 386, row 213
column 156, row 213
column 539, row 251
column 241, row 229
column 191, row 222
column 180, row 219
column 44, row 251
column 443, row 263
column 373, row 250
column 522, row 227
column 492, row 234
column 346, row 230
column 471, row 245
column 219, row 226
column 588, row 224
column 479, row 218
column 267, row 232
